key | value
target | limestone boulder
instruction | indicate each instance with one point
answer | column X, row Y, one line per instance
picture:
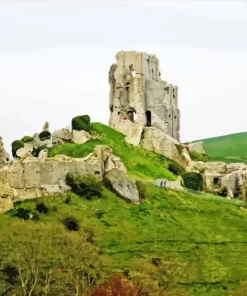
column 119, row 182
column 175, row 185
column 197, row 147
column 155, row 140
column 23, row 152
column 43, row 154
column 61, row 136
column 132, row 131
column 80, row 137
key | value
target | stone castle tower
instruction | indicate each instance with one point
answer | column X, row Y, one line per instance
column 138, row 95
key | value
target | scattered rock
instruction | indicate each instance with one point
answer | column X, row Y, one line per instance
column 23, row 152
column 61, row 136
column 119, row 182
column 80, row 137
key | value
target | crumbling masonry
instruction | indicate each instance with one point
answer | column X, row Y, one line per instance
column 138, row 95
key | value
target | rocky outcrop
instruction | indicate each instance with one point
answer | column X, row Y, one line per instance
column 4, row 156
column 219, row 174
column 155, row 140
column 124, row 187
column 80, row 137
column 36, row 176
column 174, row 185
column 61, row 136
column 196, row 147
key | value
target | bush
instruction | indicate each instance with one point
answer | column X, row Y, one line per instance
column 27, row 139
column 42, row 208
column 81, row 122
column 193, row 181
column 45, row 135
column 22, row 213
column 87, row 186
column 71, row 223
column 175, row 168
column 15, row 146
column 67, row 199
column 179, row 147
column 142, row 189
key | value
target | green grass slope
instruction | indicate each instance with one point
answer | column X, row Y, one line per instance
column 228, row 148
column 208, row 233
column 141, row 164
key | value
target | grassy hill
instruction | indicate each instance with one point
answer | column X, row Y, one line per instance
column 207, row 233
column 228, row 148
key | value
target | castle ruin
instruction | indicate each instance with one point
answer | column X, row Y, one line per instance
column 139, row 95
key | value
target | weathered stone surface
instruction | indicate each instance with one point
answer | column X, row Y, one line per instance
column 4, row 156
column 175, row 185
column 122, row 185
column 80, row 137
column 34, row 177
column 23, row 152
column 132, row 131
column 197, row 147
column 218, row 174
column 157, row 141
column 43, row 154
column 61, row 136
column 137, row 93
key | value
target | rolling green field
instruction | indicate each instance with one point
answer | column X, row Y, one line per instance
column 228, row 148
column 207, row 233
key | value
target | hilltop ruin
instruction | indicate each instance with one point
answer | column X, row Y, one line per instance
column 139, row 97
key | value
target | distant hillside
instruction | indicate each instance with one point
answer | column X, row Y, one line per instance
column 228, row 148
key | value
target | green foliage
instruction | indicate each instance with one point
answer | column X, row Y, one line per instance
column 71, row 223
column 199, row 229
column 141, row 163
column 81, row 122
column 42, row 208
column 193, row 180
column 45, row 135
column 198, row 156
column 15, row 146
column 141, row 189
column 87, row 186
column 175, row 168
column 27, row 139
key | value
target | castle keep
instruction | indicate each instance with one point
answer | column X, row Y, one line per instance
column 139, row 95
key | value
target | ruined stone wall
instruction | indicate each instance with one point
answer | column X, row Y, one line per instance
column 138, row 94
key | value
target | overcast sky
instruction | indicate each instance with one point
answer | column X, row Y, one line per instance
column 55, row 57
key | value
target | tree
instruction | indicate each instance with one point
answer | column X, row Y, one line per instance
column 31, row 249
column 116, row 285
column 82, row 263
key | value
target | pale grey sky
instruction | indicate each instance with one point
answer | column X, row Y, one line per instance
column 55, row 57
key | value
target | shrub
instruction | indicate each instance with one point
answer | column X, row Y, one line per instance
column 142, row 189
column 71, row 223
column 15, row 146
column 87, row 186
column 67, row 199
column 42, row 208
column 81, row 122
column 27, row 139
column 23, row 213
column 45, row 135
column 193, row 180
column 175, row 168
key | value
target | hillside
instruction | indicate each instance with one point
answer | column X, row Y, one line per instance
column 204, row 233
column 228, row 148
